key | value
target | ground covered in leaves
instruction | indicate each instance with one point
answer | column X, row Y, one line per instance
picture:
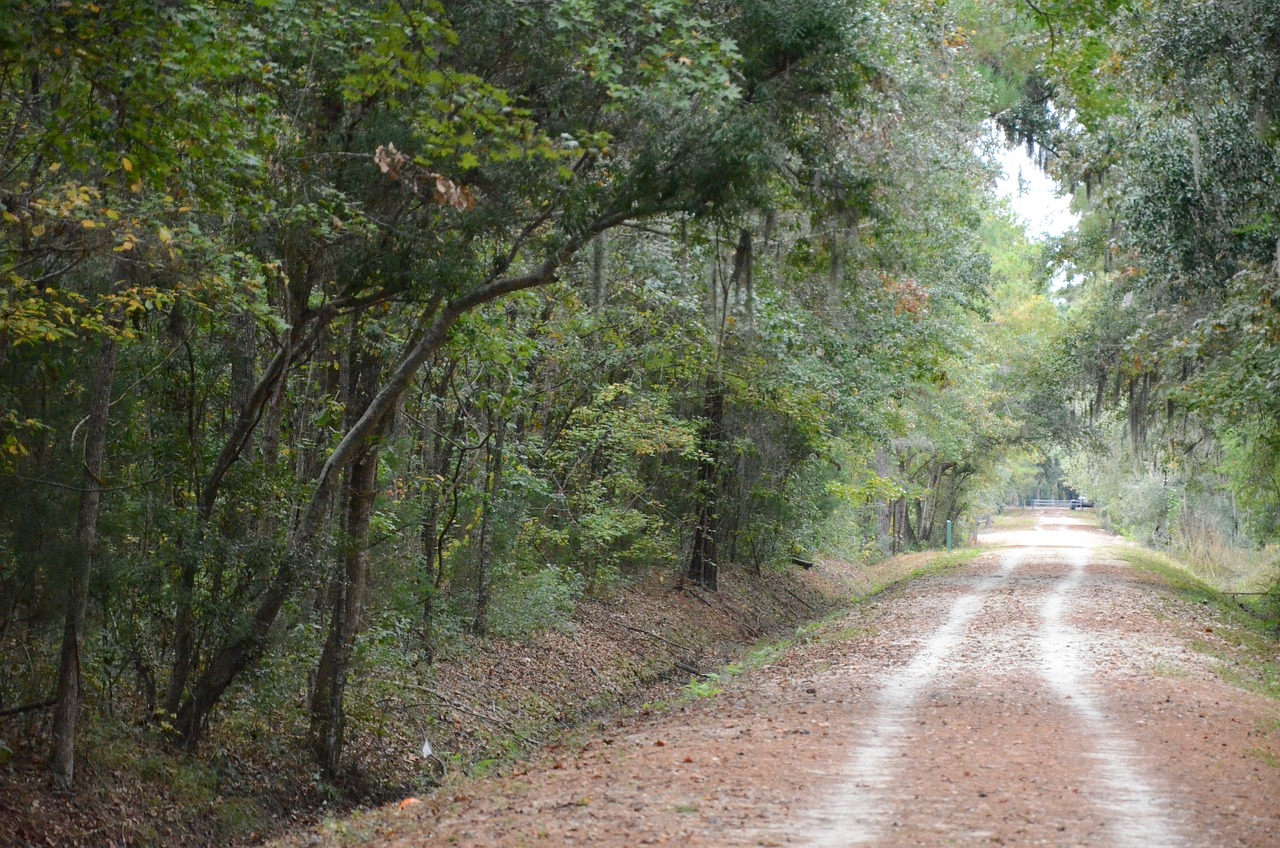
column 1048, row 693
column 479, row 706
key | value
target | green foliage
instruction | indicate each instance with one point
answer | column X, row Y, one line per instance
column 1167, row 350
column 1251, row 465
column 527, row 605
column 616, row 524
column 1252, row 625
column 699, row 688
column 662, row 52
column 1133, row 498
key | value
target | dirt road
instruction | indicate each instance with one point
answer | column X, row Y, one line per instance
column 1046, row 694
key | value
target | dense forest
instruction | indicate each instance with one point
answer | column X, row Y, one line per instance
column 340, row 336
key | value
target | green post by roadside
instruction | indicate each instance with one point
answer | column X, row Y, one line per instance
column 948, row 534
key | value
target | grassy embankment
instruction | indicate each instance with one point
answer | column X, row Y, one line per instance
column 1243, row 642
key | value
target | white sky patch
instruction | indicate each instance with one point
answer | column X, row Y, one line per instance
column 1034, row 196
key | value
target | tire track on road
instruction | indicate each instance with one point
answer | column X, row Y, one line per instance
column 1135, row 813
column 1140, row 816
column 861, row 807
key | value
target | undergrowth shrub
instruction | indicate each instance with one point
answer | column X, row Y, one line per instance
column 527, row 604
column 389, row 704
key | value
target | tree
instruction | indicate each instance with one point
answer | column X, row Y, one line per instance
column 1169, row 335
column 461, row 310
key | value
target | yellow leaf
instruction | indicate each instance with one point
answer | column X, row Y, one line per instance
column 37, row 230
column 128, row 165
column 112, row 214
column 10, row 217
column 165, row 235
column 87, row 224
column 54, row 166
column 136, row 187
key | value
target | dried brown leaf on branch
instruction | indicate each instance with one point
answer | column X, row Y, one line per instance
column 443, row 190
column 389, row 160
column 448, row 193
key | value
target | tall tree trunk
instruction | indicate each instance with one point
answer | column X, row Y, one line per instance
column 835, row 280
column 184, row 632
column 744, row 277
column 704, row 559
column 440, row 440
column 493, row 492
column 241, row 347
column 273, row 422
column 599, row 290
column 432, row 505
column 444, row 463
column 67, row 706
column 703, row 562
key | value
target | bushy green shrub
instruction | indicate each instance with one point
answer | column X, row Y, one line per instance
column 528, row 604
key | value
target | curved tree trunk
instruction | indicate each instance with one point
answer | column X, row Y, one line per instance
column 244, row 646
column 328, row 720
column 351, row 574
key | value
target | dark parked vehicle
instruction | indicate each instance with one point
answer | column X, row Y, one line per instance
column 1081, row 503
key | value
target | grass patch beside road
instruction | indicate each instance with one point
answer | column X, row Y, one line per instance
column 1177, row 575
column 904, row 568
column 1260, row 608
column 1014, row 519
column 1243, row 640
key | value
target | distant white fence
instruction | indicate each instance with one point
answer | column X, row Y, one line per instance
column 1042, row 503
